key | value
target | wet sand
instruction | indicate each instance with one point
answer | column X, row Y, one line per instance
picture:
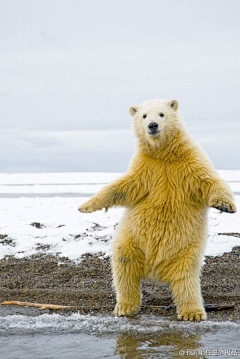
column 87, row 286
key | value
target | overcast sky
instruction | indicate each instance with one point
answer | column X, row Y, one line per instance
column 70, row 70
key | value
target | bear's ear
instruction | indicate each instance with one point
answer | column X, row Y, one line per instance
column 173, row 104
column 133, row 110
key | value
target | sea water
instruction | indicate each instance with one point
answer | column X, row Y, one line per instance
column 54, row 336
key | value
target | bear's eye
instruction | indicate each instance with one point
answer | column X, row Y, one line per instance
column 145, row 116
column 161, row 114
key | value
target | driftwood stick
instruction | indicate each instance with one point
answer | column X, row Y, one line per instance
column 208, row 307
column 38, row 305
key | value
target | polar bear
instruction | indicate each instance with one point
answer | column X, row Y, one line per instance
column 167, row 189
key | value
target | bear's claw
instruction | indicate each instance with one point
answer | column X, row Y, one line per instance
column 122, row 309
column 84, row 209
column 224, row 207
column 196, row 315
column 90, row 206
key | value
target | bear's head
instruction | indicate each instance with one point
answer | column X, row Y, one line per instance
column 155, row 121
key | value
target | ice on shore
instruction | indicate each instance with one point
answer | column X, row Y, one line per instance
column 39, row 215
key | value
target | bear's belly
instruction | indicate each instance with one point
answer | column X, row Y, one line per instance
column 167, row 225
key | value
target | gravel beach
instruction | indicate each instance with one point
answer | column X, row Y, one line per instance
column 87, row 286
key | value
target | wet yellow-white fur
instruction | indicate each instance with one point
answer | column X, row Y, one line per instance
column 167, row 190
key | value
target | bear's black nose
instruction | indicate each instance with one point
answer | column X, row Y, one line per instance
column 153, row 126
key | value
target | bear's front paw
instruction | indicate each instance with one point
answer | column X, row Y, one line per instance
column 90, row 206
column 123, row 309
column 223, row 205
column 191, row 315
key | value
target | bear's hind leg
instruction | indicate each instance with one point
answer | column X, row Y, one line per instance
column 188, row 299
column 127, row 267
column 185, row 285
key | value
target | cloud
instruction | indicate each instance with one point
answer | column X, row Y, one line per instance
column 40, row 151
column 222, row 148
column 70, row 65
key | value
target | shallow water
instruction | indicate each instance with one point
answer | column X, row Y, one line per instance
column 83, row 336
